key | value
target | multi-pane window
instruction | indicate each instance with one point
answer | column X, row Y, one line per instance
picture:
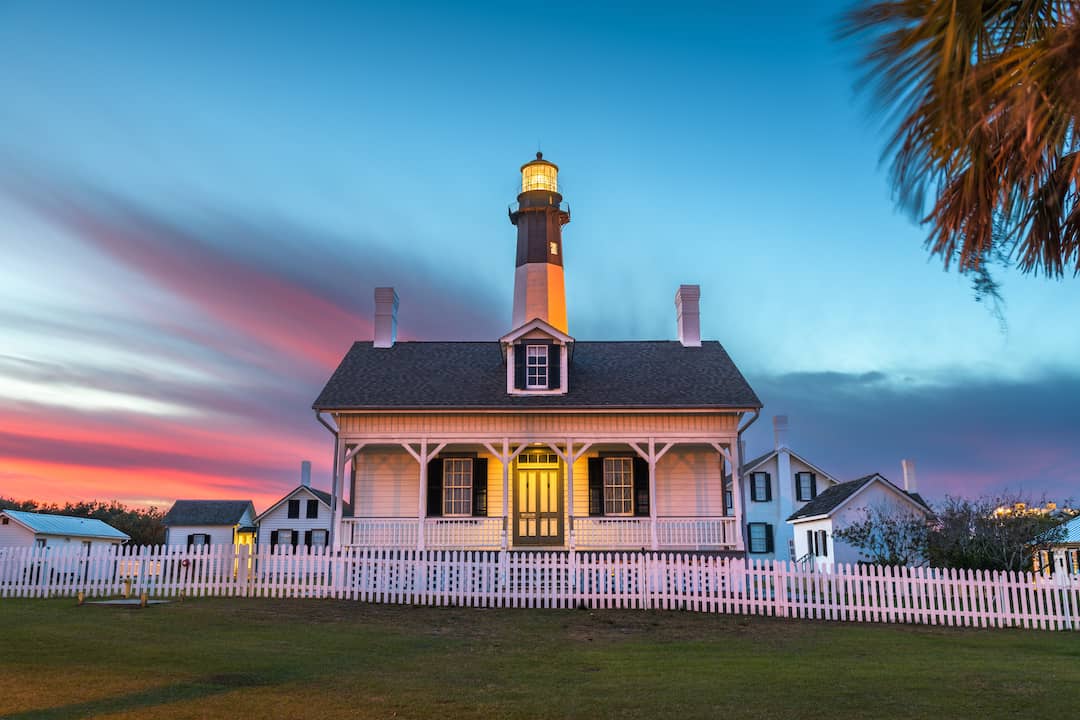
column 457, row 486
column 760, row 488
column 536, row 366
column 759, row 536
column 729, row 502
column 313, row 508
column 318, row 538
column 817, row 543
column 284, row 537
column 1073, row 558
column 618, row 486
column 805, row 486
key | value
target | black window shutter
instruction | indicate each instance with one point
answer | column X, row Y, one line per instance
column 190, row 540
column 596, row 486
column 434, row 488
column 813, row 486
column 641, row 487
column 294, row 508
column 824, row 544
column 313, row 508
column 295, row 535
column 768, row 487
column 273, row 538
column 753, row 487
column 809, row 542
column 479, row 487
column 519, row 366
column 749, row 538
column 768, row 538
column 554, row 374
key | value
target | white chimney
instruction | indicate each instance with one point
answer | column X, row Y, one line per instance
column 909, row 476
column 386, row 305
column 779, row 429
column 688, row 315
column 305, row 473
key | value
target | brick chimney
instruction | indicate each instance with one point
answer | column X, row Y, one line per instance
column 386, row 305
column 909, row 476
column 688, row 315
column 305, row 473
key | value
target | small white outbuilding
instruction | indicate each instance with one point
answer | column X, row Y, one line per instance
column 841, row 505
column 23, row 529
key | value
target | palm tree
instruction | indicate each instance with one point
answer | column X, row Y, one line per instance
column 983, row 97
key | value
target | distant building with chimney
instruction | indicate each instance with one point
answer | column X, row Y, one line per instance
column 537, row 439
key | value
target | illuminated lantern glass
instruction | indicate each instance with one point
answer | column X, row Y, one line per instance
column 540, row 176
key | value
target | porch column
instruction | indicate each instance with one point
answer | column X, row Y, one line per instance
column 652, row 495
column 336, row 493
column 505, row 460
column 736, row 492
column 421, row 509
column 570, row 492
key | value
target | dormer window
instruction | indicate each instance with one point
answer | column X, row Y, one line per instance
column 536, row 367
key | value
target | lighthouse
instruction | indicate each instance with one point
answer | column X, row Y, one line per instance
column 539, row 288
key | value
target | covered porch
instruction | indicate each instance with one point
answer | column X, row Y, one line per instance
column 577, row 493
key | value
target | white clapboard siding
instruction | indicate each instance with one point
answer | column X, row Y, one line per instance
column 602, row 580
column 387, row 483
column 689, row 483
column 277, row 518
column 219, row 534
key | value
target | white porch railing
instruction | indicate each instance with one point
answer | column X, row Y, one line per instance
column 700, row 533
column 690, row 533
column 463, row 533
column 379, row 532
column 472, row 533
column 485, row 533
column 612, row 532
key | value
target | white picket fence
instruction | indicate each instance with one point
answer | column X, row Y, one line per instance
column 702, row 583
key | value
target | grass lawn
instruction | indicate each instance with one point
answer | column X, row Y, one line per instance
column 329, row 659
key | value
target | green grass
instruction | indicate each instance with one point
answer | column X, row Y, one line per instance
column 329, row 659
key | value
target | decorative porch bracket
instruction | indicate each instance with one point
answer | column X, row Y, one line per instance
column 505, row 458
column 570, row 456
column 423, row 455
column 652, row 455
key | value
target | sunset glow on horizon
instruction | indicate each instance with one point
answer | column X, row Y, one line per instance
column 191, row 240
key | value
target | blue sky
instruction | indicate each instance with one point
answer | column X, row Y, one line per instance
column 196, row 201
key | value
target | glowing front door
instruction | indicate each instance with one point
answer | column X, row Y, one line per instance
column 538, row 506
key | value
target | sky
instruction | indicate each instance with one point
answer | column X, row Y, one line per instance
column 197, row 200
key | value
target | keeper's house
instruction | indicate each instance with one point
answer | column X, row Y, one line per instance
column 536, row 439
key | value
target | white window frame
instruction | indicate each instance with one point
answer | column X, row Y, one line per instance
column 809, row 487
column 285, row 530
column 619, row 486
column 324, row 534
column 457, row 487
column 536, row 366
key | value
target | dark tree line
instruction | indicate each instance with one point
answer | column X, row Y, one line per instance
column 142, row 524
column 1000, row 533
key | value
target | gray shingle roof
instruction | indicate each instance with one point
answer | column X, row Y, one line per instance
column 834, row 496
column 206, row 512
column 630, row 374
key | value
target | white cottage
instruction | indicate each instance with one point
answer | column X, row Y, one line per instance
column 775, row 485
column 814, row 525
column 300, row 519
column 537, row 439
column 1064, row 554
column 22, row 529
column 210, row 522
